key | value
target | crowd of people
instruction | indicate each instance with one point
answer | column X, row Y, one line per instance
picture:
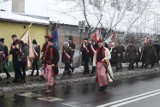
column 102, row 57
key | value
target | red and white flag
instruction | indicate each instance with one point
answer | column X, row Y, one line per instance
column 26, row 38
column 97, row 35
column 111, row 38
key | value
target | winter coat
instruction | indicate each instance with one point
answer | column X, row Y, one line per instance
column 131, row 51
column 51, row 56
column 85, row 49
column 120, row 50
column 67, row 55
column 150, row 56
column 23, row 53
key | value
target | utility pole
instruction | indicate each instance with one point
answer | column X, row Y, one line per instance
column 81, row 29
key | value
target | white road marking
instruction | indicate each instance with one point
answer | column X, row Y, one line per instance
column 134, row 100
column 129, row 98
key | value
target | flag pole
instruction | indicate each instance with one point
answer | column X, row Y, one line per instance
column 55, row 27
column 26, row 30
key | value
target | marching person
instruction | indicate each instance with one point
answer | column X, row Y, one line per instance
column 2, row 55
column 114, row 57
column 51, row 58
column 44, row 47
column 22, row 59
column 120, row 54
column 36, row 50
column 72, row 44
column 93, row 46
column 101, row 61
column 5, row 59
column 131, row 53
column 157, row 48
column 15, row 51
column 67, row 56
column 150, row 56
column 85, row 49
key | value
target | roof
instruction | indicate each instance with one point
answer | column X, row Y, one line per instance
column 67, row 12
column 7, row 16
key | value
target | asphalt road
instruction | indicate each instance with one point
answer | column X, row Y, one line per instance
column 135, row 92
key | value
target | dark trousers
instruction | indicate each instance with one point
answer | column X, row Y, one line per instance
column 5, row 70
column 67, row 70
column 35, row 65
column 131, row 62
column 17, row 71
column 86, row 67
column 23, row 70
column 93, row 70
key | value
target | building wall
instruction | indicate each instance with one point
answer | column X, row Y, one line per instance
column 66, row 31
column 9, row 28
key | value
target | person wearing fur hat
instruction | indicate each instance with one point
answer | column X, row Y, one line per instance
column 67, row 56
column 131, row 53
column 22, row 59
column 36, row 50
column 101, row 59
column 14, row 51
column 5, row 59
column 51, row 58
column 85, row 49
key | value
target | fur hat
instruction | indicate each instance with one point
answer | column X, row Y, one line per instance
column 34, row 41
column 2, row 40
column 51, row 40
column 14, row 36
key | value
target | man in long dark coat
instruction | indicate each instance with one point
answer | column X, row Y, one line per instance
column 132, row 53
column 150, row 56
column 85, row 49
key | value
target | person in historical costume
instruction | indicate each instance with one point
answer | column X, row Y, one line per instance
column 120, row 54
column 36, row 50
column 72, row 44
column 85, row 49
column 92, row 52
column 51, row 58
column 22, row 59
column 44, row 47
column 131, row 53
column 67, row 58
column 150, row 56
column 142, row 55
column 5, row 59
column 2, row 55
column 101, row 59
column 157, row 48
column 137, row 59
column 114, row 56
column 14, row 51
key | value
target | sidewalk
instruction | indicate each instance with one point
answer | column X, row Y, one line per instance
column 33, row 83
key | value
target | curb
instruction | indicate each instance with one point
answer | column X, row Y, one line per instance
column 117, row 76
